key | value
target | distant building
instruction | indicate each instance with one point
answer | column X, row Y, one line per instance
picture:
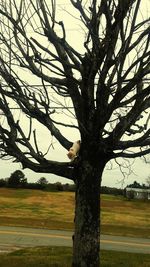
column 137, row 193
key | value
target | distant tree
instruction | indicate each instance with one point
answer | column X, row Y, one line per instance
column 17, row 179
column 69, row 187
column 3, row 182
column 134, row 185
column 59, row 186
column 42, row 182
column 144, row 186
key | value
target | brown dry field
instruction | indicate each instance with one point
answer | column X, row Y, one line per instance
column 55, row 210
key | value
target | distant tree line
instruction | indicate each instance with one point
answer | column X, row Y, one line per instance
column 18, row 180
column 112, row 190
column 138, row 185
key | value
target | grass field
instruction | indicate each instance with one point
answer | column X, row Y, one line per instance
column 61, row 257
column 55, row 210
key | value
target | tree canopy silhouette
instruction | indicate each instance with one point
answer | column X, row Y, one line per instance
column 104, row 76
column 17, row 179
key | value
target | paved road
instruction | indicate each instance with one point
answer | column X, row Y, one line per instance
column 18, row 237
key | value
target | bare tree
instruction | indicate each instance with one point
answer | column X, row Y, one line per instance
column 106, row 82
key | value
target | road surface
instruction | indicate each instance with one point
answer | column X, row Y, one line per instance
column 19, row 237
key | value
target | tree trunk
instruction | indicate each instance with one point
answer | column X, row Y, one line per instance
column 86, row 241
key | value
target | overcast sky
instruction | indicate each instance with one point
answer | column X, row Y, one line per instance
column 112, row 175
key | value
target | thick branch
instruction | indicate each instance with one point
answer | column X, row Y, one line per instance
column 144, row 140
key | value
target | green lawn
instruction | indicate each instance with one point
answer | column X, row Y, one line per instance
column 55, row 210
column 61, row 257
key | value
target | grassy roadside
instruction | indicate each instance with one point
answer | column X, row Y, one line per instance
column 61, row 257
column 55, row 210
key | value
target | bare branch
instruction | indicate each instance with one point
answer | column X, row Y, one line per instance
column 107, row 83
column 133, row 155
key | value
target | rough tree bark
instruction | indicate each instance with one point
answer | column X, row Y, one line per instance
column 88, row 174
column 86, row 243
